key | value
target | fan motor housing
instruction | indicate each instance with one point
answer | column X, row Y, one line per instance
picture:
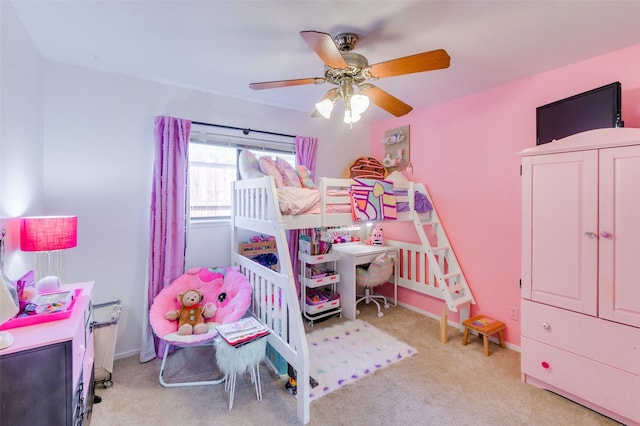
column 357, row 70
column 346, row 42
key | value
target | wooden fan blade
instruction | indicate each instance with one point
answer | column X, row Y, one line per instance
column 427, row 61
column 286, row 83
column 325, row 48
column 385, row 101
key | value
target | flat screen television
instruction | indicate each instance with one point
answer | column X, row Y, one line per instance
column 595, row 109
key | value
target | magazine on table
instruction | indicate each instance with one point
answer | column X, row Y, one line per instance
column 242, row 331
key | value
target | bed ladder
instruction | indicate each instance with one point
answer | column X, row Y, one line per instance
column 445, row 268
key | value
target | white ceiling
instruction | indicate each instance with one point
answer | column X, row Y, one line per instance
column 222, row 46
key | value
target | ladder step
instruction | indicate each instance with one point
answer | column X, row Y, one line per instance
column 463, row 300
column 451, row 275
column 453, row 286
column 456, row 287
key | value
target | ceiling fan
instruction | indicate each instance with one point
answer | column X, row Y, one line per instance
column 351, row 73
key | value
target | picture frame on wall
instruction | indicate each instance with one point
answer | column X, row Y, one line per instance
column 396, row 148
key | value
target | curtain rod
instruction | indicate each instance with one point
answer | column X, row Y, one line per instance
column 245, row 131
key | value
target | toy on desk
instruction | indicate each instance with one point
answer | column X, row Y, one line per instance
column 377, row 239
column 346, row 237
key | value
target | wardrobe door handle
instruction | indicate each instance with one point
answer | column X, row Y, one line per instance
column 590, row 234
column 605, row 234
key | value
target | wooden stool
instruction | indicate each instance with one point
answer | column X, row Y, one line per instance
column 485, row 326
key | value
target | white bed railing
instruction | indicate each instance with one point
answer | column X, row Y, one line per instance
column 275, row 297
column 276, row 304
column 413, row 268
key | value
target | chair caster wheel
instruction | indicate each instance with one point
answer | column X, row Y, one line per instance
column 380, row 314
column 386, row 306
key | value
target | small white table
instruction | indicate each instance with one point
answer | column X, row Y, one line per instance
column 352, row 255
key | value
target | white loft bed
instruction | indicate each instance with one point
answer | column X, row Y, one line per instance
column 255, row 206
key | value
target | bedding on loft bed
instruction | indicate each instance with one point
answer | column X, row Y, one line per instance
column 420, row 201
column 296, row 200
column 298, row 195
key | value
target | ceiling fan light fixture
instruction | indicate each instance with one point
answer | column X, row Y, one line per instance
column 351, row 117
column 325, row 107
column 350, row 71
column 359, row 104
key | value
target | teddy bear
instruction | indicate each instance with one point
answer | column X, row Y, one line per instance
column 191, row 316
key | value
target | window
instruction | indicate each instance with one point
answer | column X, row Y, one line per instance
column 213, row 167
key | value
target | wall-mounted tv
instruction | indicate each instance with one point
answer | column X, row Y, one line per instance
column 595, row 109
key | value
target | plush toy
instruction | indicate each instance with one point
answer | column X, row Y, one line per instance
column 191, row 316
column 377, row 238
column 305, row 177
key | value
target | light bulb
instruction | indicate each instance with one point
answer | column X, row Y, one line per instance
column 325, row 107
column 359, row 104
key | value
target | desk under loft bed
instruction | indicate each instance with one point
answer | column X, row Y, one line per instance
column 258, row 206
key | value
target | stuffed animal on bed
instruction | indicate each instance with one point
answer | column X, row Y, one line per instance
column 191, row 315
column 305, row 177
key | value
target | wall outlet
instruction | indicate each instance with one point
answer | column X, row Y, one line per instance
column 514, row 313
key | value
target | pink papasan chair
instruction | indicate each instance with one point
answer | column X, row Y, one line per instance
column 227, row 289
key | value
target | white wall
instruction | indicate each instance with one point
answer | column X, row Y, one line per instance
column 21, row 112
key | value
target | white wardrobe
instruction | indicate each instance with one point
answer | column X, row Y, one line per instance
column 581, row 270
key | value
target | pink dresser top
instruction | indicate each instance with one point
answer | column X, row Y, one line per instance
column 32, row 336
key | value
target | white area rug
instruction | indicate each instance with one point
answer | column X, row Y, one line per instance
column 349, row 351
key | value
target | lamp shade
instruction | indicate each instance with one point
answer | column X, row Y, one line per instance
column 359, row 104
column 325, row 107
column 46, row 233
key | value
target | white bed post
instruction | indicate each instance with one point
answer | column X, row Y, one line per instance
column 301, row 365
column 255, row 208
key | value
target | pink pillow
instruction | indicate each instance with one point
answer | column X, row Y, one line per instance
column 268, row 167
column 289, row 175
column 248, row 165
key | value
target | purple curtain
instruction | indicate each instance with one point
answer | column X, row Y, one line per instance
column 168, row 214
column 306, row 151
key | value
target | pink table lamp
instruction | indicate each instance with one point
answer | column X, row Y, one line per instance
column 48, row 236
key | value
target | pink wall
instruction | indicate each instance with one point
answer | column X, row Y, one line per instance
column 465, row 152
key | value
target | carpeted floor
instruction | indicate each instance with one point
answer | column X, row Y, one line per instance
column 443, row 384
